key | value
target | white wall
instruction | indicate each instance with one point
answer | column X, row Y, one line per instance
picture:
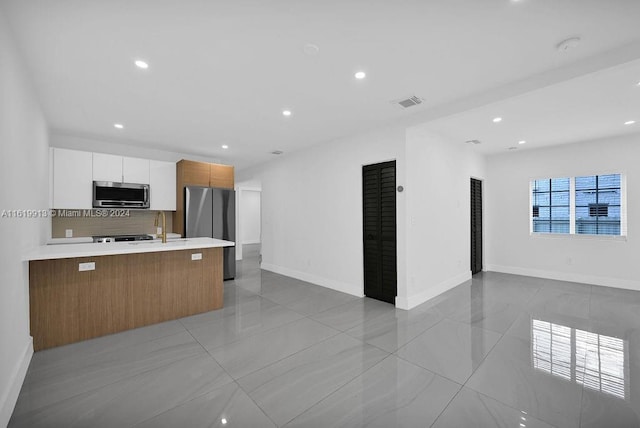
column 510, row 247
column 24, row 166
column 312, row 209
column 132, row 149
column 250, row 216
column 438, row 213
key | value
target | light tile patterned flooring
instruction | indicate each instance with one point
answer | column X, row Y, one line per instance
column 498, row 351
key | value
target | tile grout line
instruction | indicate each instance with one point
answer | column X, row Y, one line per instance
column 256, row 334
column 233, row 380
column 321, row 399
column 255, row 403
column 144, row 372
column 106, row 351
column 415, row 338
column 283, row 358
column 343, row 386
column 96, row 388
column 348, row 328
column 447, row 406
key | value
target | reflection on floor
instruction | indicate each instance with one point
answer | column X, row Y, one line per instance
column 596, row 361
column 498, row 351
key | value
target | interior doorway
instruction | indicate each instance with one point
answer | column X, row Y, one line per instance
column 249, row 220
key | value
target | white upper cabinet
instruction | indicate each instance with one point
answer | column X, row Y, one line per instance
column 120, row 169
column 72, row 179
column 162, row 185
column 135, row 170
column 73, row 173
column 107, row 167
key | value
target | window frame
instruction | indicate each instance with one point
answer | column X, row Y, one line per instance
column 572, row 207
column 550, row 206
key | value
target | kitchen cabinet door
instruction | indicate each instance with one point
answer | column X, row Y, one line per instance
column 107, row 167
column 53, row 301
column 221, row 176
column 105, row 305
column 72, row 179
column 185, row 279
column 135, row 170
column 193, row 173
column 162, row 185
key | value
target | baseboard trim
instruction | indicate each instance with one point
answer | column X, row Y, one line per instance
column 250, row 242
column 10, row 395
column 566, row 276
column 418, row 299
column 318, row 280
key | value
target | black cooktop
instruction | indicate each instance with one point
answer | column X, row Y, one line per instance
column 121, row 238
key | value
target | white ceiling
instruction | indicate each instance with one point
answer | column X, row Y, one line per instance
column 222, row 71
column 589, row 107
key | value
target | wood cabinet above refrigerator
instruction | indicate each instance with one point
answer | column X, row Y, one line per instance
column 193, row 173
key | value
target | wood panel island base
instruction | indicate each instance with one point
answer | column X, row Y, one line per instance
column 124, row 291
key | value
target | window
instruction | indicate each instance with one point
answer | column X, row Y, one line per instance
column 586, row 205
column 551, row 205
column 598, row 205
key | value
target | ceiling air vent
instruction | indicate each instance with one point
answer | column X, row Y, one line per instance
column 410, row 102
column 277, row 152
column 474, row 142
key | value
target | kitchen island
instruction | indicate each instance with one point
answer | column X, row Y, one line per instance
column 81, row 291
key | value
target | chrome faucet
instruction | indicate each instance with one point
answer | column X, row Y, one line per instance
column 164, row 226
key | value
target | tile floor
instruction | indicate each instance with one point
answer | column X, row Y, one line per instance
column 498, row 351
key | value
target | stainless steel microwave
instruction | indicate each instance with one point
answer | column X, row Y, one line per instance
column 108, row 194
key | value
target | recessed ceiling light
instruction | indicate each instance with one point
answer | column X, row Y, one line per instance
column 630, row 122
column 522, row 142
column 286, row 113
column 224, row 421
column 141, row 64
column 360, row 75
column 118, row 125
column 497, row 119
column 224, row 146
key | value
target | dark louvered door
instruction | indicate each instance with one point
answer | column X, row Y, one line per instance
column 379, row 223
column 476, row 226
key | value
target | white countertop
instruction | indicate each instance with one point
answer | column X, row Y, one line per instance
column 64, row 241
column 46, row 252
column 89, row 239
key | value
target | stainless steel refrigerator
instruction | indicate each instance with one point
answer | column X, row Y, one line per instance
column 211, row 212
